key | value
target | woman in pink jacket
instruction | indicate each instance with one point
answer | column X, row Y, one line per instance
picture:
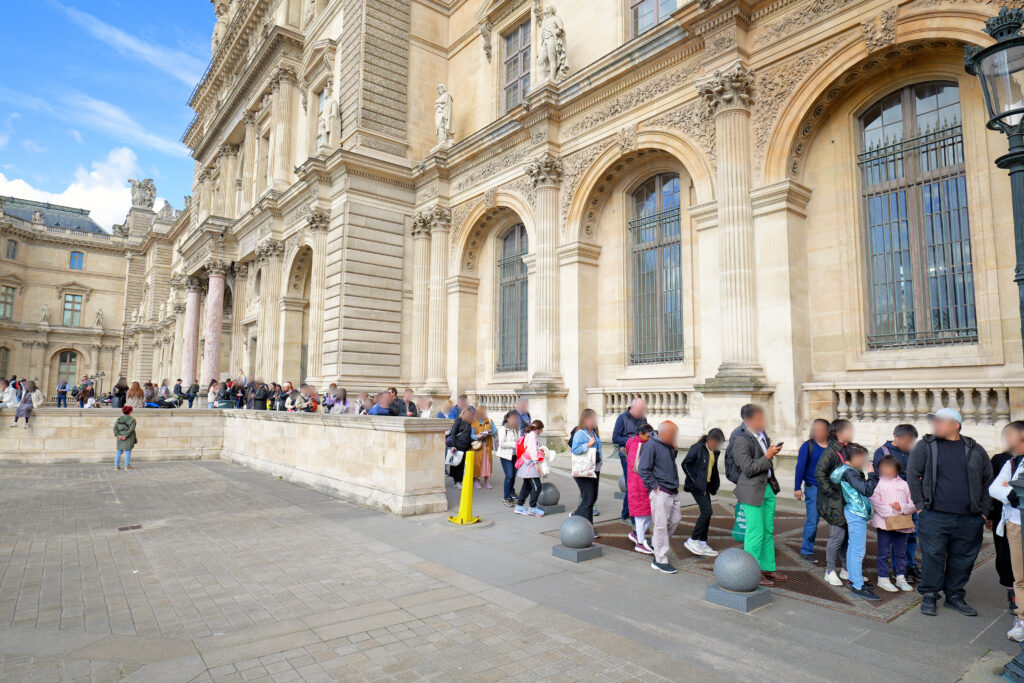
column 891, row 497
column 636, row 492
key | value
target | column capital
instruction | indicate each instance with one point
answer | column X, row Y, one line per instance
column 178, row 309
column 193, row 284
column 435, row 219
column 241, row 270
column 217, row 266
column 249, row 118
column 318, row 219
column 282, row 74
column 727, row 89
column 269, row 249
column 545, row 171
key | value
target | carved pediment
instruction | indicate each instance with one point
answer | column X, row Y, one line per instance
column 73, row 287
column 495, row 11
column 12, row 280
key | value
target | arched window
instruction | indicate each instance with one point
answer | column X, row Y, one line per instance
column 512, row 293
column 77, row 260
column 5, row 360
column 67, row 367
column 657, row 271
column 915, row 209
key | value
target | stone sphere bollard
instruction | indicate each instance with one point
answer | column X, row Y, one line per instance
column 576, row 533
column 736, row 570
column 549, row 495
column 622, row 483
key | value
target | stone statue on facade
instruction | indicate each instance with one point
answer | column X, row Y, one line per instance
column 552, row 61
column 98, row 320
column 166, row 212
column 44, row 315
column 327, row 132
column 443, row 116
column 143, row 193
column 37, row 217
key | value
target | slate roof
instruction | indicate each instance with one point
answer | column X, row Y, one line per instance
column 53, row 215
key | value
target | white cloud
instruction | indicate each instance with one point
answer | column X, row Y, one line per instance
column 180, row 65
column 76, row 135
column 4, row 139
column 82, row 110
column 103, row 189
column 32, row 146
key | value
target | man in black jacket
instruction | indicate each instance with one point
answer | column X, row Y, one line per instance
column 260, row 394
column 660, row 476
column 948, row 476
column 627, row 425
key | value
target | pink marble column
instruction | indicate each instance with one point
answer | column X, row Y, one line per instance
column 214, row 322
column 191, row 332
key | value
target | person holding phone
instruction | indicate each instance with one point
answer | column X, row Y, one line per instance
column 752, row 453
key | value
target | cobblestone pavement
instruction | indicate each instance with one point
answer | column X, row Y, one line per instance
column 235, row 576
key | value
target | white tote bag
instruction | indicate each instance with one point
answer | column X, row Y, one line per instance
column 585, row 465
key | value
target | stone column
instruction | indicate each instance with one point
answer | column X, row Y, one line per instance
column 190, row 342
column 228, row 172
column 250, row 159
column 728, row 96
column 546, row 172
column 317, row 223
column 94, row 359
column 280, row 156
column 214, row 320
column 238, row 312
column 420, row 298
column 270, row 252
column 439, row 219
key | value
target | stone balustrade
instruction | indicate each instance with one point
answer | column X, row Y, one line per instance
column 497, row 403
column 663, row 403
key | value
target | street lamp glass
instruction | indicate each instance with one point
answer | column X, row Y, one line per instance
column 1002, row 76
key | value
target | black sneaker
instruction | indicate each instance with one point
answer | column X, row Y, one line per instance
column 664, row 567
column 928, row 606
column 960, row 606
column 809, row 558
column 1011, row 601
column 596, row 513
column 865, row 593
column 913, row 573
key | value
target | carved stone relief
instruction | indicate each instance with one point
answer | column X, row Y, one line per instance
column 575, row 166
column 880, row 30
column 599, row 194
column 477, row 175
column 693, row 121
column 627, row 138
column 808, row 14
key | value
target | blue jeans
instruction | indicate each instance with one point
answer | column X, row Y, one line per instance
column 127, row 458
column 857, row 538
column 62, row 399
column 509, row 467
column 625, row 467
column 912, row 545
column 811, row 523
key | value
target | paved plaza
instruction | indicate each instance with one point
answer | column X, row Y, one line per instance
column 237, row 576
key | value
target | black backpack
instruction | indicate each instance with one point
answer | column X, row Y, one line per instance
column 732, row 471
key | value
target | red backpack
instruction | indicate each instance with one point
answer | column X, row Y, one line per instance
column 520, row 450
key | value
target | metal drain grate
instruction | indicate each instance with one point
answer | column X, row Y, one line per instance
column 133, row 527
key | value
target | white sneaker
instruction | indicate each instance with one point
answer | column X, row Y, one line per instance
column 843, row 574
column 833, row 579
column 707, row 550
column 901, row 583
column 693, row 546
column 885, row 584
column 1017, row 632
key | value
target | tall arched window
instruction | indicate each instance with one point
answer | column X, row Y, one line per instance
column 657, row 271
column 915, row 209
column 5, row 360
column 67, row 367
column 512, row 293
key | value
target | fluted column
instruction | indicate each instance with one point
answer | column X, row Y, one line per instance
column 546, row 172
column 214, row 320
column 420, row 298
column 228, row 172
column 237, row 313
column 439, row 219
column 317, row 222
column 270, row 252
column 728, row 94
column 190, row 341
column 284, row 96
column 250, row 160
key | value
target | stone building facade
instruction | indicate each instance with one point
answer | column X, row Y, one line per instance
column 62, row 281
column 704, row 203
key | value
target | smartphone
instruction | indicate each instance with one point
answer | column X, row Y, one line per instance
column 779, row 444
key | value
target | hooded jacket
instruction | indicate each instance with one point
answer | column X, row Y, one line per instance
column 830, row 495
column 923, row 467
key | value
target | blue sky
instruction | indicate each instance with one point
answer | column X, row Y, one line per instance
column 93, row 92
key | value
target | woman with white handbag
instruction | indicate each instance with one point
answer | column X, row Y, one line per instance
column 586, row 463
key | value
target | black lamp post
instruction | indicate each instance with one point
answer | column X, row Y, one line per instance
column 1000, row 67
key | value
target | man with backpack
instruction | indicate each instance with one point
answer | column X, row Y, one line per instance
column 749, row 463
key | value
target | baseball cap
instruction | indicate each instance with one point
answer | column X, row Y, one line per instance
column 946, row 414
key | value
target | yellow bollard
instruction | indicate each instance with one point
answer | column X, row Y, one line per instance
column 465, row 515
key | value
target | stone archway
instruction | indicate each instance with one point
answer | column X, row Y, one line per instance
column 295, row 315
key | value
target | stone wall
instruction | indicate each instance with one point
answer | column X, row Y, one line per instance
column 387, row 463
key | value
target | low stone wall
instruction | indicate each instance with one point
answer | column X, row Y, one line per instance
column 86, row 435
column 387, row 463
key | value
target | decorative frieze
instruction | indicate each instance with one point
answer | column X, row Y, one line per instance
column 503, row 162
column 692, row 121
column 811, row 13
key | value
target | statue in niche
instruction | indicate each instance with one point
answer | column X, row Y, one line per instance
column 98, row 320
column 443, row 116
column 552, row 62
column 327, row 132
column 44, row 315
